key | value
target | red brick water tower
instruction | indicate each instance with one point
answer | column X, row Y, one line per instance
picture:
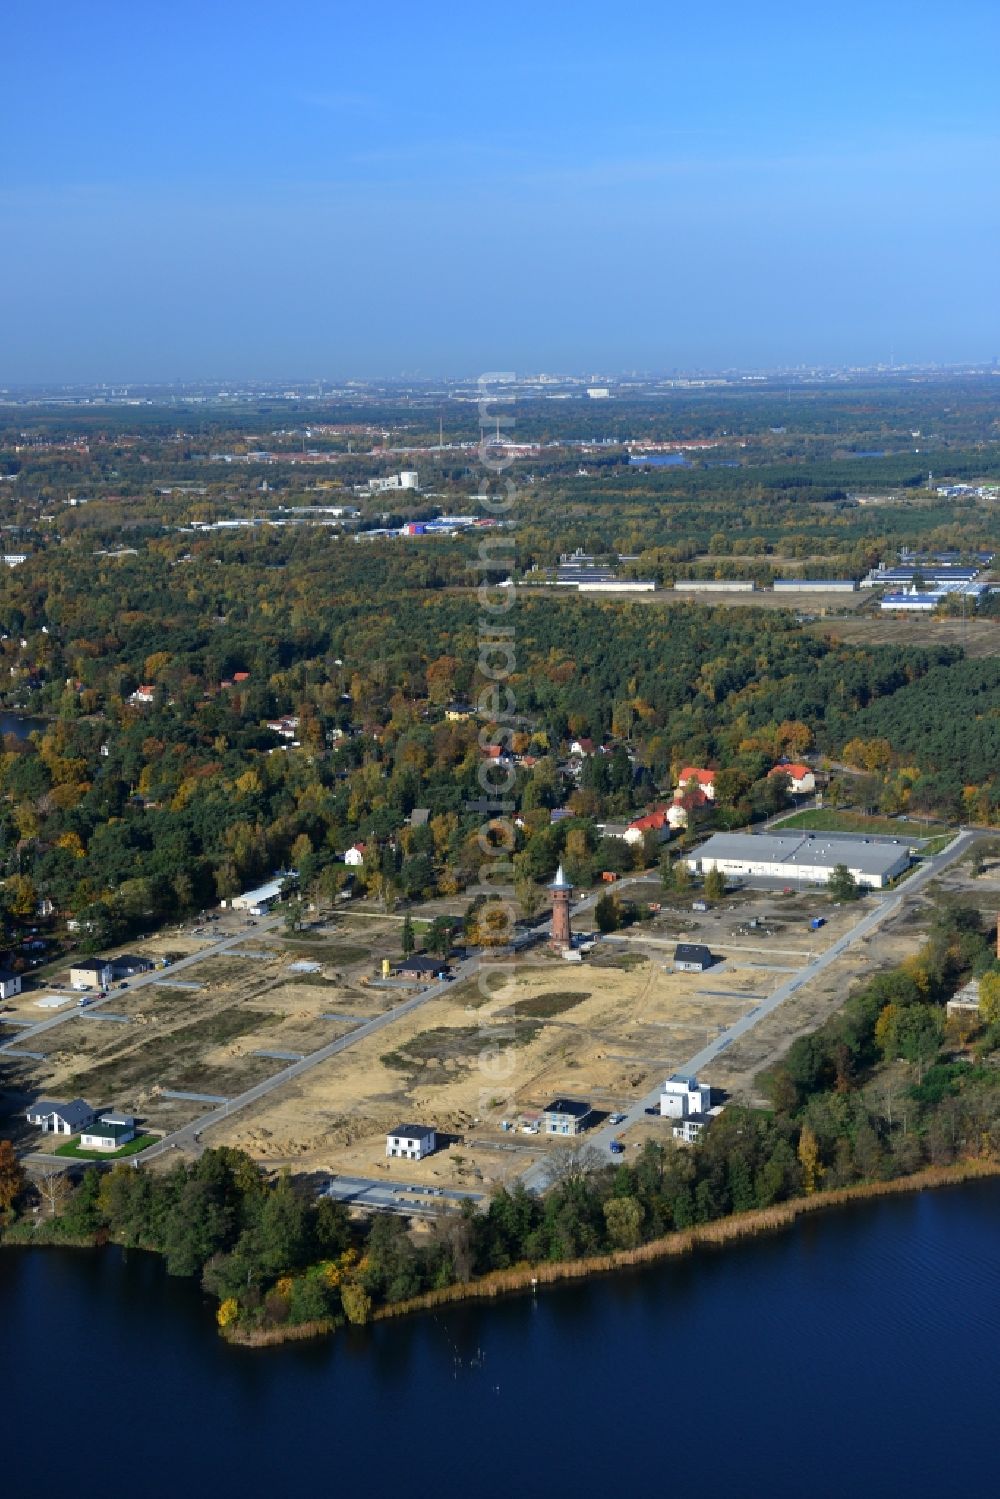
column 561, row 939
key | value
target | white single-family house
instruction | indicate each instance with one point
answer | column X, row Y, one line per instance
column 567, row 1116
column 683, row 1096
column 411, row 1141
column 110, row 1132
column 10, row 983
column 60, row 1118
column 355, row 855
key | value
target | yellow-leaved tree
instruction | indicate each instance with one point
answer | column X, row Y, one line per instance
column 989, row 998
column 809, row 1159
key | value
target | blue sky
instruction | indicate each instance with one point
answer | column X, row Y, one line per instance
column 320, row 189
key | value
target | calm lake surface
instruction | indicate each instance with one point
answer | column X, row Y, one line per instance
column 19, row 724
column 857, row 1353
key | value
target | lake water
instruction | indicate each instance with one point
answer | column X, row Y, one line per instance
column 19, row 724
column 856, row 1353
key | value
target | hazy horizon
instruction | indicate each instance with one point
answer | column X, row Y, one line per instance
column 250, row 191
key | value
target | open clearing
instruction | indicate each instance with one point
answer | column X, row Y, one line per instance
column 977, row 637
column 827, row 820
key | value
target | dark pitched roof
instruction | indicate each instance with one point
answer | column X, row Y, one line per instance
column 576, row 1108
column 76, row 1114
column 6, row 974
column 109, row 1131
column 418, row 963
column 128, row 963
column 412, row 1131
column 692, row 952
column 91, row 965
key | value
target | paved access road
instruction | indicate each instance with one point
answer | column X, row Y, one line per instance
column 537, row 1177
column 163, row 976
column 188, row 1135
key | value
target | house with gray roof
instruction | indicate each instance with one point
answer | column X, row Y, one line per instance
column 567, row 1116
column 61, row 1118
column 411, row 1141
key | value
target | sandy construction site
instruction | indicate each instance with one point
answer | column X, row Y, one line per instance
column 478, row 1068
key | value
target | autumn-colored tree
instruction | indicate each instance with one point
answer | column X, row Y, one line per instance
column 794, row 737
column 12, row 1177
column 356, row 1302
column 989, row 998
column 885, row 1029
column 623, row 1216
column 20, row 896
column 809, row 1159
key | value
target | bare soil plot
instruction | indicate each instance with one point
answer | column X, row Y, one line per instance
column 605, row 1034
column 977, row 637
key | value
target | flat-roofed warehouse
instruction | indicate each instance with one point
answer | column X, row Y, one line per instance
column 801, row 858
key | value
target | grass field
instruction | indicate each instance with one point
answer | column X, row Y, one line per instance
column 830, row 821
column 72, row 1148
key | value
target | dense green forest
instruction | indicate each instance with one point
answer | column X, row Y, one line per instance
column 126, row 813
column 123, row 812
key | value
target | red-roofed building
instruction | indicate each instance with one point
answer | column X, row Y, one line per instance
column 685, row 802
column 802, row 782
column 705, row 780
column 656, row 821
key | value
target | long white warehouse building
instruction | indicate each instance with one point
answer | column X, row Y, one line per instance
column 801, row 858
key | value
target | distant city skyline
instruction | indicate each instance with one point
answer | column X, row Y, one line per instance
column 261, row 190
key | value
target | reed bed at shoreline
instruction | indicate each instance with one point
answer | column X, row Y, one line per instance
column 270, row 1337
column 526, row 1277
column 520, row 1278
